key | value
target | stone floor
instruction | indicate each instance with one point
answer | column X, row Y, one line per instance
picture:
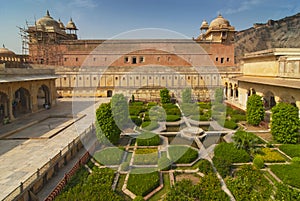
column 20, row 158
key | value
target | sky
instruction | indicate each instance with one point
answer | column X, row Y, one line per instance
column 104, row 19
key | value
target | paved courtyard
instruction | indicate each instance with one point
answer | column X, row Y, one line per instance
column 23, row 151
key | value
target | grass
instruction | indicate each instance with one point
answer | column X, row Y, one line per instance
column 109, row 156
column 289, row 174
column 143, row 184
column 292, row 150
column 119, row 187
column 145, row 157
column 271, row 156
column 167, row 186
column 148, row 139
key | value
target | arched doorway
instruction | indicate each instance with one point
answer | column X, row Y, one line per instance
column 21, row 103
column 43, row 97
column 226, row 89
column 231, row 89
column 4, row 108
column 269, row 100
column 109, row 93
column 236, row 91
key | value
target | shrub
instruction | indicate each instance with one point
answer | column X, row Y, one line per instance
column 164, row 163
column 187, row 95
column 249, row 184
column 219, row 108
column 285, row 123
column 171, row 109
column 150, row 125
column 190, row 109
column 119, row 109
column 271, row 156
column 136, row 120
column 230, row 124
column 143, row 184
column 165, row 96
column 258, row 162
column 204, row 105
column 255, row 110
column 230, row 152
column 223, row 165
column 182, row 154
column 205, row 166
column 200, row 118
column 136, row 110
column 284, row 192
column 293, row 150
column 238, row 117
column 172, row 118
column 137, row 103
column 219, row 95
column 148, row 139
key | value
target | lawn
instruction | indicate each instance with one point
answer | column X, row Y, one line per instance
column 146, row 157
column 143, row 184
column 164, row 190
column 289, row 174
column 109, row 156
column 292, row 150
column 182, row 154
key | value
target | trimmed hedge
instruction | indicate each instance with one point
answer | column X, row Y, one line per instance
column 230, row 152
column 143, row 184
column 150, row 125
column 136, row 120
column 204, row 105
column 172, row 118
column 182, row 154
column 205, row 166
column 164, row 163
column 230, row 124
column 271, row 156
column 148, row 139
column 136, row 110
column 258, row 162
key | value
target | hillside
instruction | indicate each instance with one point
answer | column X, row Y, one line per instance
column 281, row 33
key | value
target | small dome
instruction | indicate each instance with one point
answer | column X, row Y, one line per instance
column 219, row 22
column 6, row 51
column 61, row 25
column 47, row 20
column 204, row 25
column 71, row 25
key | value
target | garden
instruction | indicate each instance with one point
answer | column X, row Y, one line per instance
column 157, row 164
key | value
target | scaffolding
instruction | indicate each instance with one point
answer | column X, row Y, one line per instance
column 25, row 39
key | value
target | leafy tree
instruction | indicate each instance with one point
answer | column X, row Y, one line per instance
column 106, row 128
column 285, row 123
column 219, row 95
column 255, row 110
column 285, row 193
column 187, row 95
column 120, row 112
column 246, row 141
column 165, row 96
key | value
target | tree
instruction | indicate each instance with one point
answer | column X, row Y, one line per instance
column 219, row 95
column 120, row 112
column 187, row 95
column 106, row 128
column 165, row 96
column 246, row 141
column 285, row 123
column 255, row 110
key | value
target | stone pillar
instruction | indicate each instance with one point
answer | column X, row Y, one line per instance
column 10, row 101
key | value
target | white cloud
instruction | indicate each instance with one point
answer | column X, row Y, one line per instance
column 83, row 3
column 244, row 5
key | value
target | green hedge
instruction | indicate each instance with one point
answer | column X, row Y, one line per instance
column 238, row 117
column 205, row 105
column 150, row 125
column 230, row 124
column 109, row 156
column 135, row 110
column 172, row 118
column 190, row 109
column 148, row 139
column 143, row 184
column 136, row 120
column 249, row 183
column 164, row 163
column 182, row 154
column 171, row 109
column 271, row 156
column 225, row 154
column 205, row 166
column 293, row 150
column 200, row 118
column 258, row 162
column 289, row 174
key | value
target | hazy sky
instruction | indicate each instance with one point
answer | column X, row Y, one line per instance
column 102, row 19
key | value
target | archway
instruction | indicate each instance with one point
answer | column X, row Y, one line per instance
column 269, row 100
column 231, row 89
column 236, row 91
column 226, row 89
column 4, row 106
column 21, row 102
column 109, row 93
column 43, row 97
